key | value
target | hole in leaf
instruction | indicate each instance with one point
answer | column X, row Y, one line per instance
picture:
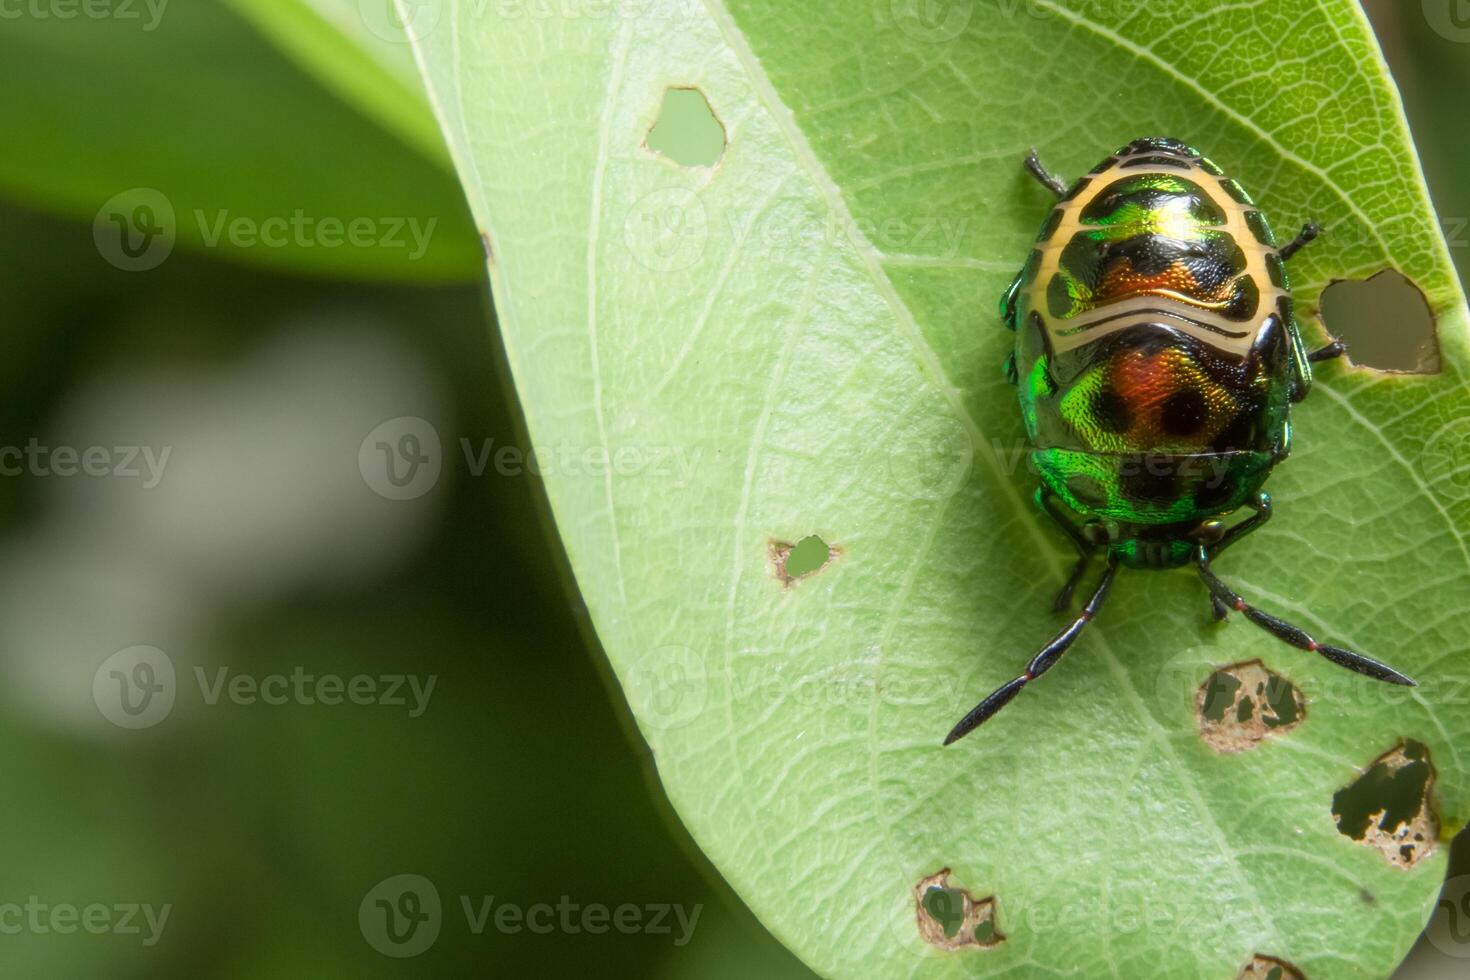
column 1270, row 968
column 687, row 130
column 1238, row 706
column 797, row 561
column 1386, row 322
column 949, row 918
column 1388, row 807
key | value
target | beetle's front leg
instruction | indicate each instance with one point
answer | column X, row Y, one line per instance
column 1262, row 507
column 1047, row 501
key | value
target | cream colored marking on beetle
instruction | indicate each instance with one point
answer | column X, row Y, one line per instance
column 1074, row 334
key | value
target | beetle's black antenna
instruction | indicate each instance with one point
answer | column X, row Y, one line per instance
column 1039, row 664
column 1051, row 181
column 1288, row 633
column 1306, row 236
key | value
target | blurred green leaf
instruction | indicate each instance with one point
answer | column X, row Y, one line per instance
column 367, row 61
column 255, row 161
column 810, row 326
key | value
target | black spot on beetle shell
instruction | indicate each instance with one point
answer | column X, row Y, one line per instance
column 1183, row 413
column 1157, row 161
column 1053, row 221
column 1216, row 493
column 1159, row 144
column 1111, row 411
column 1276, row 269
column 1150, row 482
column 1261, row 228
column 1240, row 434
column 1237, row 192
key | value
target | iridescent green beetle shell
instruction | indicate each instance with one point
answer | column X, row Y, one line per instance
column 1157, row 350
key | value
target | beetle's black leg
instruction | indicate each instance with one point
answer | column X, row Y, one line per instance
column 1048, row 503
column 1262, row 506
column 1288, row 633
column 1040, row 664
column 1309, row 233
column 1337, row 348
column 1051, row 181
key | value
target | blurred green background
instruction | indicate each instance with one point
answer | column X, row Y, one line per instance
column 271, row 546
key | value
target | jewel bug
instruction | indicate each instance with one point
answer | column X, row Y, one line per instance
column 1157, row 357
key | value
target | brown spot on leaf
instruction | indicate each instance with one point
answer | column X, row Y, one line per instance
column 950, row 919
column 1389, row 807
column 1270, row 968
column 1240, row 705
column 805, row 558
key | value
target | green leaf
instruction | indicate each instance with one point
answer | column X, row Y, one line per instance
column 810, row 328
column 186, row 100
column 358, row 51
